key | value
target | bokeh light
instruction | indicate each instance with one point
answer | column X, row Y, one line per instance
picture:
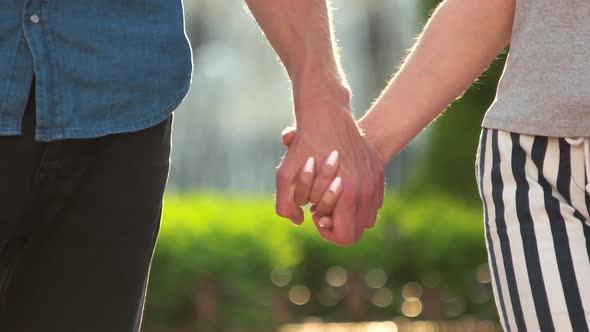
column 376, row 278
column 280, row 277
column 330, row 295
column 299, row 295
column 336, row 276
column 341, row 327
column 412, row 307
column 481, row 293
column 454, row 307
column 482, row 274
column 412, row 290
column 382, row 297
column 312, row 320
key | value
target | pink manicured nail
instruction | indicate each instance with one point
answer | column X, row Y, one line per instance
column 335, row 185
column 332, row 158
column 308, row 168
column 324, row 222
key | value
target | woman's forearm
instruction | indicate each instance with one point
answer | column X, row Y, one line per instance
column 461, row 39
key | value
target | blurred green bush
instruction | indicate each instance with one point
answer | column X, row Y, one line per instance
column 215, row 256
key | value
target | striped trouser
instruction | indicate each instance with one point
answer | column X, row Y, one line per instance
column 537, row 230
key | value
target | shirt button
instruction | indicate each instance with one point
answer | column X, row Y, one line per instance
column 35, row 18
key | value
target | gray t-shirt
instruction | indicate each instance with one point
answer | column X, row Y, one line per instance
column 545, row 88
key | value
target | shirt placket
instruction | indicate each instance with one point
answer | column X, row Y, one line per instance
column 36, row 22
column 13, row 97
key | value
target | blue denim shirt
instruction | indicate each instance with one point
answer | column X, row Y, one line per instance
column 100, row 66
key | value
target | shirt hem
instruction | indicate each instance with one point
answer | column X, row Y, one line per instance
column 48, row 134
column 530, row 128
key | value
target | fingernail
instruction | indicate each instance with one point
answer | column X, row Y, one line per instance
column 323, row 222
column 308, row 168
column 335, row 185
column 332, row 158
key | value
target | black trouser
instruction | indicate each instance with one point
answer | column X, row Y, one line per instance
column 78, row 223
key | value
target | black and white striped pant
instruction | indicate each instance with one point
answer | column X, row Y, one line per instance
column 537, row 230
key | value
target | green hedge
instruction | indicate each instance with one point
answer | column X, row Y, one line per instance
column 231, row 244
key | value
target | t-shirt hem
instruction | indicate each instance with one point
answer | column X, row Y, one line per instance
column 535, row 129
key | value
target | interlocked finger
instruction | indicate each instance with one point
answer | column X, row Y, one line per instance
column 325, row 176
column 304, row 182
column 329, row 198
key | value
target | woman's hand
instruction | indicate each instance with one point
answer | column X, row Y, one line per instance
column 323, row 185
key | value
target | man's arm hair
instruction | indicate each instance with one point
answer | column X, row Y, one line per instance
column 301, row 34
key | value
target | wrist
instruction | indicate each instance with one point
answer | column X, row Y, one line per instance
column 320, row 92
column 320, row 79
column 375, row 136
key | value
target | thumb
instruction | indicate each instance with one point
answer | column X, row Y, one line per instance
column 288, row 135
column 286, row 206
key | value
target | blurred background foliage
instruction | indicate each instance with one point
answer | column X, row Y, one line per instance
column 225, row 262
column 252, row 271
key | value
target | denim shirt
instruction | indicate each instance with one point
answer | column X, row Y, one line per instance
column 100, row 66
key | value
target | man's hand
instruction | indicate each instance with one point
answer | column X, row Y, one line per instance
column 431, row 78
column 330, row 127
column 301, row 33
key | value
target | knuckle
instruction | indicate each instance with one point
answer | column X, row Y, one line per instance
column 328, row 170
column 367, row 189
column 305, row 179
column 324, row 178
column 320, row 213
column 327, row 197
column 316, row 194
column 327, row 204
column 282, row 210
column 349, row 195
column 347, row 238
column 313, row 199
column 317, row 191
column 282, row 175
column 322, row 209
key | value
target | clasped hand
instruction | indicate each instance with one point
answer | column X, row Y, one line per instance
column 329, row 164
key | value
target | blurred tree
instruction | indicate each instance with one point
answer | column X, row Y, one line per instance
column 448, row 162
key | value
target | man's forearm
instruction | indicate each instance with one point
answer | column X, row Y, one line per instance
column 301, row 34
column 458, row 43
